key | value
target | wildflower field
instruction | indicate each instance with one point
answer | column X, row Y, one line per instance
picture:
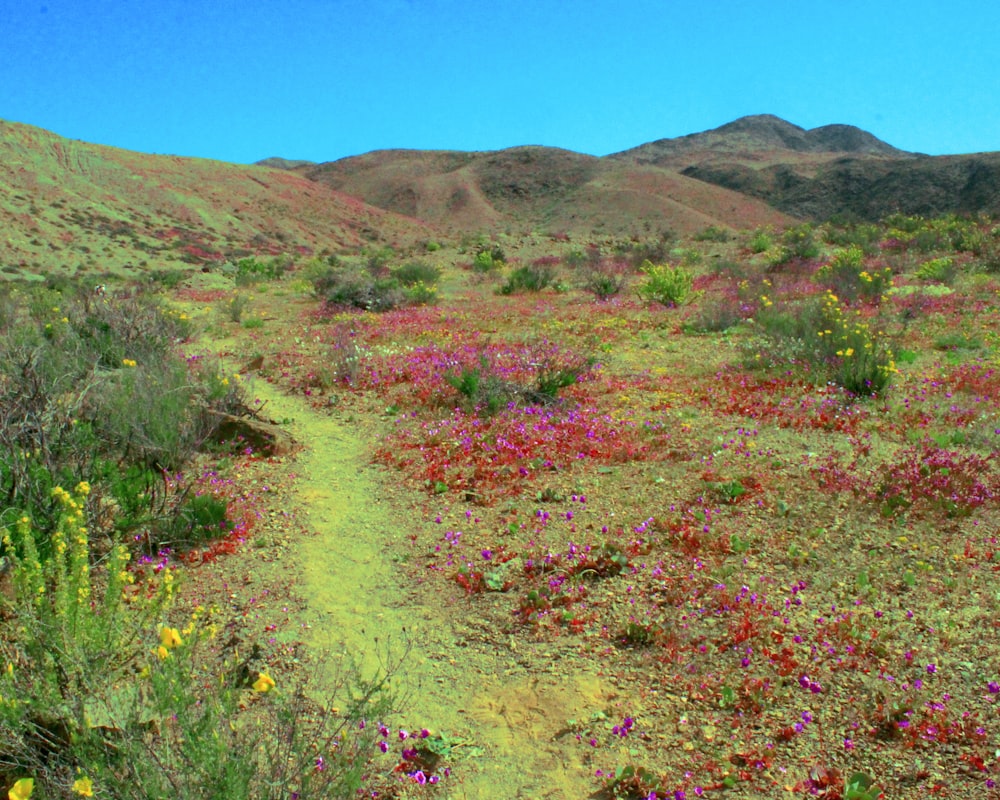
column 747, row 492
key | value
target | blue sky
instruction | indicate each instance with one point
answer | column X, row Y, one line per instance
column 240, row 80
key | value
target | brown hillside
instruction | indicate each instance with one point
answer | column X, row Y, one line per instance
column 540, row 188
column 70, row 204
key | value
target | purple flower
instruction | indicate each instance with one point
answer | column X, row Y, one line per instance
column 486, row 554
column 993, row 687
column 383, row 746
column 931, row 668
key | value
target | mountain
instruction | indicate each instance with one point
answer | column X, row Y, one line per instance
column 753, row 138
column 101, row 208
column 82, row 206
column 539, row 188
column 832, row 170
column 756, row 170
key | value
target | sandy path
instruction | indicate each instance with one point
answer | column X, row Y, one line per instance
column 455, row 681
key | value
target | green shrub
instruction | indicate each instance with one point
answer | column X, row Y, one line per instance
column 486, row 261
column 415, row 272
column 715, row 315
column 357, row 288
column 667, row 285
column 822, row 336
column 801, row 241
column 712, row 233
column 939, row 270
column 485, row 388
column 100, row 694
column 847, row 277
column 421, row 294
column 250, row 271
column 529, row 278
column 761, row 240
column 605, row 280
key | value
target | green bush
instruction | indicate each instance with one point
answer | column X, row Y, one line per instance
column 761, row 240
column 667, row 285
column 605, row 280
column 529, row 278
column 712, row 233
column 847, row 277
column 415, row 272
column 939, row 270
column 100, row 695
column 357, row 288
column 96, row 386
column 821, row 336
column 250, row 270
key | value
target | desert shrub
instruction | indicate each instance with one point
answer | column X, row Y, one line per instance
column 667, row 285
column 588, row 258
column 716, row 315
column 825, row 338
column 377, row 260
column 712, row 233
column 488, row 259
column 761, row 240
column 989, row 259
column 529, row 278
column 357, row 288
column 605, row 280
column 800, row 241
column 236, row 306
column 95, row 388
column 655, row 250
column 101, row 695
column 167, row 278
column 939, row 270
column 846, row 276
column 249, row 271
column 486, row 388
column 414, row 272
column 865, row 236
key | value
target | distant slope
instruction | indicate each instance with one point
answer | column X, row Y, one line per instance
column 72, row 204
column 540, row 188
column 753, row 137
column 868, row 188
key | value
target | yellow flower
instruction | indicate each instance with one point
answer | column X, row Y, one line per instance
column 83, row 786
column 162, row 652
column 83, row 488
column 128, row 362
column 22, row 789
column 264, row 683
column 170, row 637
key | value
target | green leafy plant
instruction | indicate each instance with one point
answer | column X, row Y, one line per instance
column 529, row 278
column 667, row 285
column 939, row 270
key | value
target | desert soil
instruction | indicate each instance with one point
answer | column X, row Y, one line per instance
column 508, row 708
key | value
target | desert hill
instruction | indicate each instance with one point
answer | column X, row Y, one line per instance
column 541, row 188
column 76, row 205
column 753, row 171
column 72, row 204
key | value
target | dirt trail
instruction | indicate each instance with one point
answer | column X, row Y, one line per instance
column 457, row 682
